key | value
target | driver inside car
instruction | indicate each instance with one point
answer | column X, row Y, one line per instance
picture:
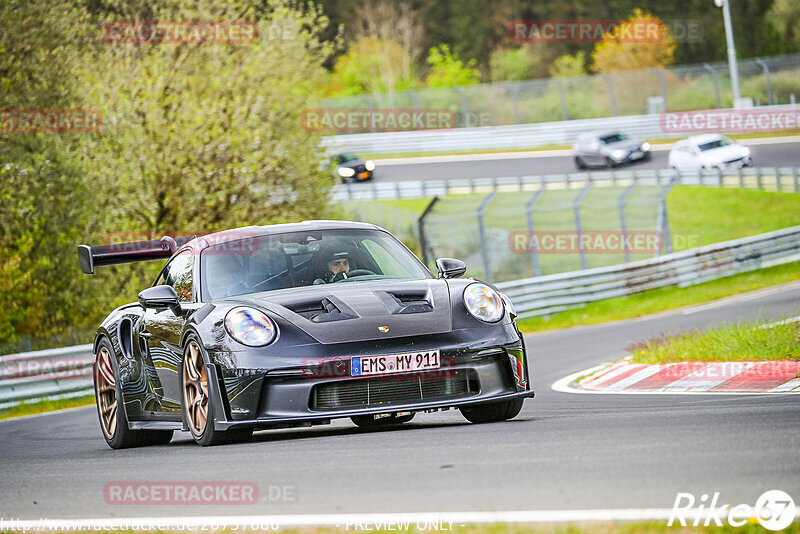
column 338, row 265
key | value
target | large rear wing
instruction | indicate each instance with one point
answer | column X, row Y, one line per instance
column 157, row 249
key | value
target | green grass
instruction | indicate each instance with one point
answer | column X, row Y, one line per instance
column 662, row 299
column 31, row 408
column 706, row 215
column 746, row 342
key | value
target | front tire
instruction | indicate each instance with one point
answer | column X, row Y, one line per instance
column 580, row 163
column 493, row 412
column 110, row 409
column 198, row 411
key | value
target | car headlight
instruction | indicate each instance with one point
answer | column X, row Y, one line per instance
column 483, row 303
column 250, row 327
column 619, row 154
column 345, row 172
column 745, row 151
column 370, row 165
column 646, row 147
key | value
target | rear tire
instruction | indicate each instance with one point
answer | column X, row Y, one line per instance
column 198, row 411
column 369, row 421
column 493, row 412
column 111, row 412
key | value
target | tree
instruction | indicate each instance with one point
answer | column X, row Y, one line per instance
column 568, row 65
column 204, row 136
column 371, row 65
column 784, row 16
column 517, row 64
column 44, row 195
column 447, row 70
column 623, row 50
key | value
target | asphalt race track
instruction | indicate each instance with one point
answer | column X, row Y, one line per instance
column 785, row 154
column 564, row 452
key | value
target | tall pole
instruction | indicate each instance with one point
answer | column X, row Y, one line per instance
column 732, row 65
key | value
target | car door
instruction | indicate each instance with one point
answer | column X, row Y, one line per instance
column 163, row 328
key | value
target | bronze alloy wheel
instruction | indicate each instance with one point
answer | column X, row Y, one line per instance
column 106, row 392
column 195, row 389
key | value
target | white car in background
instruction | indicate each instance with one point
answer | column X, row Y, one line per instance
column 708, row 151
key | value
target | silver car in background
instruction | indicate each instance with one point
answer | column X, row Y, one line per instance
column 608, row 149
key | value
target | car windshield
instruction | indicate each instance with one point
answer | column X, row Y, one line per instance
column 717, row 143
column 613, row 138
column 265, row 263
column 344, row 158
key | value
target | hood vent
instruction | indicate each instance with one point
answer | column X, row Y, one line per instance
column 406, row 301
column 322, row 311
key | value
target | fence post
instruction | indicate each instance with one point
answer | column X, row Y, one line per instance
column 778, row 185
column 715, row 79
column 487, row 269
column 719, row 176
column 663, row 218
column 371, row 107
column 563, row 96
column 423, row 239
column 759, row 184
column 537, row 269
column 795, row 177
column 513, row 90
column 464, row 103
column 662, row 86
column 576, row 208
column 361, row 215
column 741, row 177
column 612, row 97
column 623, row 223
column 760, row 62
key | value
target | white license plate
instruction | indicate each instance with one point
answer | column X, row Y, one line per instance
column 394, row 363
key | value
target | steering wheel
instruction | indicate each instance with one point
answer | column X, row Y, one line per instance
column 338, row 277
column 360, row 272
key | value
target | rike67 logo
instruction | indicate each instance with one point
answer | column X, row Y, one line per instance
column 774, row 510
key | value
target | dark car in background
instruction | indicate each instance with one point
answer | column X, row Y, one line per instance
column 608, row 149
column 295, row 325
column 349, row 168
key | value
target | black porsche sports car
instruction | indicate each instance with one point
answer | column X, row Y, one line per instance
column 295, row 325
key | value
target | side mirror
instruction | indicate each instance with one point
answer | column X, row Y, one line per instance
column 450, row 267
column 159, row 297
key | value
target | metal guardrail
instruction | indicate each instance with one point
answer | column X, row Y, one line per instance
column 68, row 371
column 553, row 293
column 768, row 178
column 515, row 136
column 45, row 373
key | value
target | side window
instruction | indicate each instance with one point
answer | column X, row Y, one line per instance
column 178, row 274
column 385, row 261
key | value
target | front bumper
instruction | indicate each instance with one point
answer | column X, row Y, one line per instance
column 321, row 391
